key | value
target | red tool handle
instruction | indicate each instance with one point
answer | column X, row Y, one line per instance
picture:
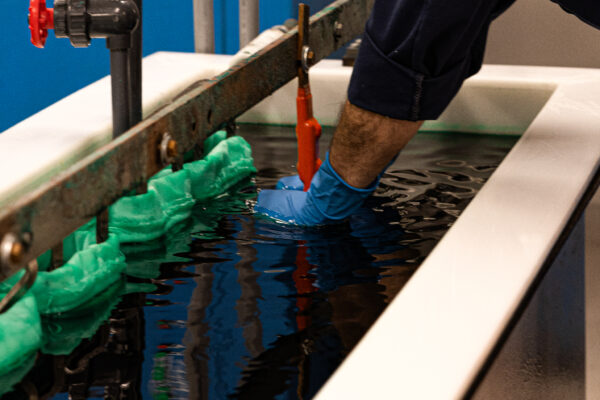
column 40, row 20
column 308, row 132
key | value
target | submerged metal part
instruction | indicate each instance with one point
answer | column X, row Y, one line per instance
column 76, row 195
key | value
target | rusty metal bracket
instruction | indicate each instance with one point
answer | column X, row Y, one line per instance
column 21, row 287
column 74, row 196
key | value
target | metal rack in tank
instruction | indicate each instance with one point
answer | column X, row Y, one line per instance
column 39, row 220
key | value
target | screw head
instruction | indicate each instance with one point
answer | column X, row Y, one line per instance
column 168, row 149
column 16, row 252
column 337, row 29
column 172, row 148
column 12, row 250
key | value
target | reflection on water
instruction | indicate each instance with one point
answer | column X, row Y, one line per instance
column 246, row 308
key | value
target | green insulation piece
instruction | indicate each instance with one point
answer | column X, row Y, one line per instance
column 16, row 375
column 227, row 163
column 171, row 195
column 84, row 276
column 78, row 297
column 20, row 333
column 82, row 238
column 62, row 333
column 213, row 140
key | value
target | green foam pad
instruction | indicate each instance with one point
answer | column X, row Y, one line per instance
column 16, row 375
column 213, row 140
column 77, row 297
column 20, row 333
column 171, row 195
column 227, row 163
column 83, row 277
column 64, row 332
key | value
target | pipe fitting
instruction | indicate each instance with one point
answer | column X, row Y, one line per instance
column 112, row 17
column 80, row 21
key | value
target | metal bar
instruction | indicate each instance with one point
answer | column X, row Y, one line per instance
column 135, row 59
column 79, row 193
column 249, row 20
column 303, row 41
column 204, row 26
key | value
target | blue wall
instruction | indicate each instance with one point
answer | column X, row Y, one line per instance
column 32, row 79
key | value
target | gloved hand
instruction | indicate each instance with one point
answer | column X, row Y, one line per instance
column 290, row 183
column 329, row 200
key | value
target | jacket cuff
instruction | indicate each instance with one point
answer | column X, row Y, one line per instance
column 382, row 85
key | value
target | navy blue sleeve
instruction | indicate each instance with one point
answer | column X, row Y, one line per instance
column 587, row 10
column 415, row 54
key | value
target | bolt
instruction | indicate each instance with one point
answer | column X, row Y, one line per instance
column 172, row 148
column 310, row 55
column 16, row 252
column 12, row 250
column 167, row 149
column 337, row 29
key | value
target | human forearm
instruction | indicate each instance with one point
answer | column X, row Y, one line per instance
column 365, row 142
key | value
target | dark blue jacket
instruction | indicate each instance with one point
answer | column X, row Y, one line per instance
column 415, row 54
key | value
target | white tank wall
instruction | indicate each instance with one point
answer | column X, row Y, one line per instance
column 539, row 32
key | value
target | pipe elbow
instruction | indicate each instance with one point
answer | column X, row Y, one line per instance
column 125, row 16
column 112, row 17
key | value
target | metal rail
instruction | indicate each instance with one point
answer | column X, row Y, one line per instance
column 79, row 193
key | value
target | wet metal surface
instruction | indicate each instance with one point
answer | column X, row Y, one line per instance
column 246, row 308
column 68, row 201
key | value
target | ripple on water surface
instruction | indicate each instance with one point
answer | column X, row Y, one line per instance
column 243, row 307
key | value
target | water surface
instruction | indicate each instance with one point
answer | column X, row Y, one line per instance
column 243, row 307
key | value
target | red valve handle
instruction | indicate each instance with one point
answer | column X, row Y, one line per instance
column 40, row 20
column 308, row 132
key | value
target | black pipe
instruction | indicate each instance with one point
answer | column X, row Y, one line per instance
column 119, row 21
column 120, row 63
column 135, row 57
column 120, row 83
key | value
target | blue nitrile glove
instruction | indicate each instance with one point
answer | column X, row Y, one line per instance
column 329, row 200
column 294, row 183
column 290, row 183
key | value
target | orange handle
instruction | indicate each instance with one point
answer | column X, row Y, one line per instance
column 308, row 132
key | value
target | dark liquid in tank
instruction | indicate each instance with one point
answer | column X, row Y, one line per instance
column 243, row 307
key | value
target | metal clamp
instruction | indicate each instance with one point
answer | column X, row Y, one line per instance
column 168, row 149
column 21, row 287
